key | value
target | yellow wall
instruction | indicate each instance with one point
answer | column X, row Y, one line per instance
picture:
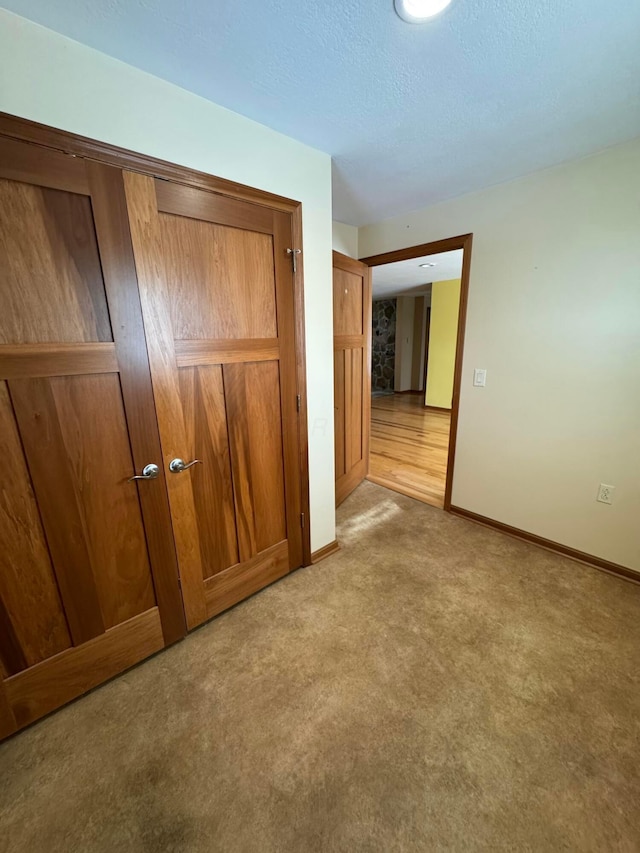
column 445, row 301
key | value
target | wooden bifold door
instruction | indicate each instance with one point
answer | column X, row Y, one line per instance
column 144, row 325
column 88, row 577
column 216, row 287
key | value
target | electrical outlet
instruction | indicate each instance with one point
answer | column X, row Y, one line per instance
column 605, row 494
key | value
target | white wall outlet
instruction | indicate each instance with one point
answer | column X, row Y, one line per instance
column 479, row 377
column 605, row 493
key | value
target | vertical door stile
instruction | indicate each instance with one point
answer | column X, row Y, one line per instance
column 152, row 283
column 8, row 723
column 367, row 322
column 289, row 392
column 121, row 285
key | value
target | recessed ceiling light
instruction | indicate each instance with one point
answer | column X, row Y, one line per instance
column 418, row 11
column 427, row 265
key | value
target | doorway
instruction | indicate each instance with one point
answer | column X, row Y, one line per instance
column 419, row 299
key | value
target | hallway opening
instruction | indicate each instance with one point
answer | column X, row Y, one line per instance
column 417, row 329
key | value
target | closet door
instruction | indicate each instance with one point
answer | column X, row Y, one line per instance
column 88, row 575
column 216, row 286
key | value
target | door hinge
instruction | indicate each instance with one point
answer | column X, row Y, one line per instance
column 294, row 253
column 301, row 519
column 298, row 401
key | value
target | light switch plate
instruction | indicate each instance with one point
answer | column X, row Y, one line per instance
column 479, row 377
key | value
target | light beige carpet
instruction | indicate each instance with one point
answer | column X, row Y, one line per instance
column 434, row 686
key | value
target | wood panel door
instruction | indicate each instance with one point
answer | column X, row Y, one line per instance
column 351, row 372
column 216, row 285
column 88, row 574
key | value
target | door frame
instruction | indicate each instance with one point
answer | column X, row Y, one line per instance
column 450, row 244
column 44, row 136
column 425, row 361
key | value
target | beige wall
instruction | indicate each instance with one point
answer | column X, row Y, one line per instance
column 51, row 79
column 554, row 317
column 345, row 239
column 410, row 335
column 405, row 306
column 417, row 359
column 443, row 333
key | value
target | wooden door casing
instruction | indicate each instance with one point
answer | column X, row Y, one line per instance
column 352, row 372
column 216, row 287
column 88, row 574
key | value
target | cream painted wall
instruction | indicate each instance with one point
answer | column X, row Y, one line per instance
column 410, row 341
column 405, row 306
column 443, row 331
column 345, row 239
column 51, row 79
column 554, row 317
column 417, row 357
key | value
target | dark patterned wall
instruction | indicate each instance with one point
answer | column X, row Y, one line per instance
column 383, row 348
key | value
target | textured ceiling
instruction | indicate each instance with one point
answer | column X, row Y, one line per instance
column 407, row 277
column 488, row 91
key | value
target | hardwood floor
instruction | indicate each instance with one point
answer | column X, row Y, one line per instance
column 409, row 446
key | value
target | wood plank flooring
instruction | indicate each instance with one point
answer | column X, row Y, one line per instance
column 409, row 446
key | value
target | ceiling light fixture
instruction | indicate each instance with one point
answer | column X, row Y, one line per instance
column 419, row 11
column 427, row 265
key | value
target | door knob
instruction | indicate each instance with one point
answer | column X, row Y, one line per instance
column 149, row 472
column 178, row 465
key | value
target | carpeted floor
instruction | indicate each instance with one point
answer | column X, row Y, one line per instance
column 434, row 686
